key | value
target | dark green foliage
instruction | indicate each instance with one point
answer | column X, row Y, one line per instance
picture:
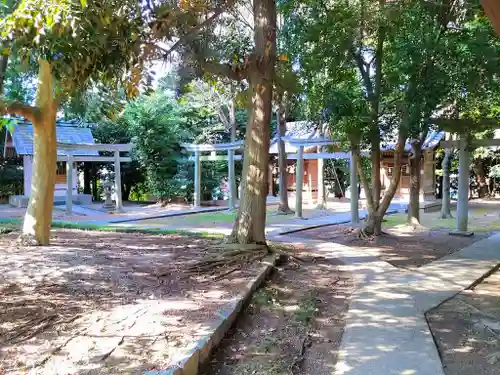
column 109, row 131
column 11, row 177
column 157, row 126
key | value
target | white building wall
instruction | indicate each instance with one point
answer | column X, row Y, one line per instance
column 27, row 170
column 60, row 189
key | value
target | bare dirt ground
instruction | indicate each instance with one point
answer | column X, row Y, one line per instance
column 293, row 324
column 104, row 303
column 467, row 330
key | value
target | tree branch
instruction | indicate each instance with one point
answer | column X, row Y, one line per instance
column 29, row 112
column 398, row 156
column 195, row 30
column 364, row 73
column 4, row 60
column 223, row 70
column 364, row 181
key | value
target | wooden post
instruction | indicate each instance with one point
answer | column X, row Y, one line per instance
column 309, row 184
column 197, row 180
column 320, row 199
column 463, row 186
column 69, row 183
column 231, row 179
column 299, row 177
column 354, row 188
column 118, row 182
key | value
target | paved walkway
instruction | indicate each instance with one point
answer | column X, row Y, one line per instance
column 386, row 331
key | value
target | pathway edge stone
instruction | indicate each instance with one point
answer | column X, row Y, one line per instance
column 197, row 353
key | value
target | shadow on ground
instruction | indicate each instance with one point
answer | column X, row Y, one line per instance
column 105, row 303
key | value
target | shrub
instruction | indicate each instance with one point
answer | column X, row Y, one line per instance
column 11, row 177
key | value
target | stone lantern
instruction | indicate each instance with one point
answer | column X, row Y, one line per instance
column 108, row 190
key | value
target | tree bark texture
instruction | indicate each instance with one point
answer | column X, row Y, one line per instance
column 4, row 60
column 415, row 167
column 249, row 226
column 232, row 122
column 283, row 205
column 445, row 199
column 375, row 156
column 38, row 218
column 373, row 224
column 480, row 171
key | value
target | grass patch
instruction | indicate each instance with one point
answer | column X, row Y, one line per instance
column 277, row 367
column 308, row 308
column 269, row 344
column 204, row 218
column 394, row 220
column 479, row 221
column 264, row 297
column 15, row 224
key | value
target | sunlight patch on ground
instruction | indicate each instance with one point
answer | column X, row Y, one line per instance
column 480, row 220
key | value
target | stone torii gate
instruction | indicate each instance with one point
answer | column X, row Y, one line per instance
column 197, row 149
column 465, row 147
column 69, row 158
column 300, row 143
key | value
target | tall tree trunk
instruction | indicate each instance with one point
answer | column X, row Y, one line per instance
column 38, row 218
column 232, row 122
column 125, row 192
column 373, row 224
column 481, row 177
column 4, row 60
column 283, row 205
column 415, row 167
column 375, row 156
column 87, row 180
column 445, row 199
column 250, row 223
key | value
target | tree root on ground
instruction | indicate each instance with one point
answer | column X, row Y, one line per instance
column 445, row 216
column 285, row 212
column 297, row 364
column 229, row 258
column 27, row 240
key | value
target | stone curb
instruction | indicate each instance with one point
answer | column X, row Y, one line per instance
column 198, row 353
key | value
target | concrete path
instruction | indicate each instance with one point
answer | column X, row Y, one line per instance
column 386, row 331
